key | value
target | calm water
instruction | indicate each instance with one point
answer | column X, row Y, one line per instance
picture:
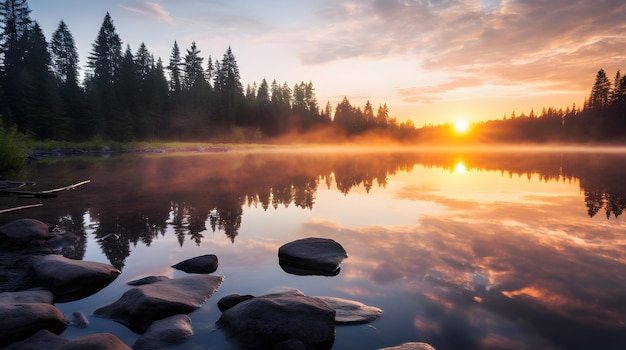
column 463, row 250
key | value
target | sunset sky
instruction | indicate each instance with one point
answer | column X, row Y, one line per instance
column 430, row 61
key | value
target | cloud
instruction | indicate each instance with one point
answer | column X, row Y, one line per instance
column 545, row 44
column 151, row 10
column 496, row 272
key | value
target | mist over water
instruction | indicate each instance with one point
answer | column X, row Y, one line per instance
column 461, row 248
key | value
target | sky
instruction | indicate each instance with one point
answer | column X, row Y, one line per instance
column 431, row 61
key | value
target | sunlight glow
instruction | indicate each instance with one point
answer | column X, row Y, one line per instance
column 460, row 168
column 461, row 126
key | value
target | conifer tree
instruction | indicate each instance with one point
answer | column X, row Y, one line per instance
column 106, row 54
column 600, row 92
column 64, row 55
column 104, row 62
column 14, row 22
column 174, row 68
column 193, row 71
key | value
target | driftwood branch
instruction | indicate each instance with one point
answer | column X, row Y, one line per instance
column 3, row 211
column 47, row 193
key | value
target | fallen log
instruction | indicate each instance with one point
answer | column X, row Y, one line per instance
column 4, row 211
column 47, row 193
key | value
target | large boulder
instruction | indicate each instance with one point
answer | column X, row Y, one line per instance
column 69, row 279
column 165, row 333
column 47, row 340
column 140, row 306
column 312, row 256
column 98, row 341
column 27, row 296
column 24, row 231
column 350, row 311
column 21, row 320
column 274, row 320
column 200, row 264
column 44, row 339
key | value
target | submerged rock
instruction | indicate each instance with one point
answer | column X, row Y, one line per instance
column 165, row 333
column 69, row 279
column 79, row 320
column 138, row 307
column 200, row 264
column 312, row 256
column 280, row 320
column 147, row 280
column 21, row 320
column 350, row 311
column 410, row 346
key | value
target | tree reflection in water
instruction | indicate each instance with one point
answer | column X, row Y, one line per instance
column 138, row 197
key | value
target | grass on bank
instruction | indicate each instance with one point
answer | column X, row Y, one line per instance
column 13, row 151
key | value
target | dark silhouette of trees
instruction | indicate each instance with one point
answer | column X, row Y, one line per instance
column 104, row 61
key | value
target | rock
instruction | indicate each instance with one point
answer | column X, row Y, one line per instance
column 79, row 320
column 47, row 340
column 98, row 341
column 27, row 296
column 24, row 231
column 410, row 346
column 138, row 307
column 165, row 333
column 111, row 237
column 200, row 264
column 231, row 300
column 19, row 321
column 273, row 319
column 44, row 339
column 350, row 311
column 312, row 256
column 147, row 280
column 69, row 279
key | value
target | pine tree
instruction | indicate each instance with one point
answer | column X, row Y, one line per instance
column 601, row 91
column 104, row 62
column 193, row 71
column 14, row 22
column 174, row 68
column 64, row 55
column 228, row 84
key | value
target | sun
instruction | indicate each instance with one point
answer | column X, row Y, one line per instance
column 461, row 126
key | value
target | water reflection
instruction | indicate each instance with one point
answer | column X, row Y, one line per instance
column 519, row 253
column 138, row 197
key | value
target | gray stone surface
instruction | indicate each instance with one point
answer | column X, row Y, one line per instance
column 22, row 320
column 165, row 333
column 138, row 307
column 44, row 339
column 23, row 231
column 410, row 346
column 47, row 340
column 147, row 280
column 350, row 311
column 71, row 279
column 200, row 264
column 27, row 296
column 267, row 321
column 312, row 256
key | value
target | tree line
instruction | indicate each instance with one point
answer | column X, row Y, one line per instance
column 601, row 119
column 129, row 95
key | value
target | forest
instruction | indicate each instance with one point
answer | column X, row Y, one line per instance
column 129, row 95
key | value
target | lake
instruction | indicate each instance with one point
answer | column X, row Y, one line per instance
column 462, row 249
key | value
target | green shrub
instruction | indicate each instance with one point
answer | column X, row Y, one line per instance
column 13, row 151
